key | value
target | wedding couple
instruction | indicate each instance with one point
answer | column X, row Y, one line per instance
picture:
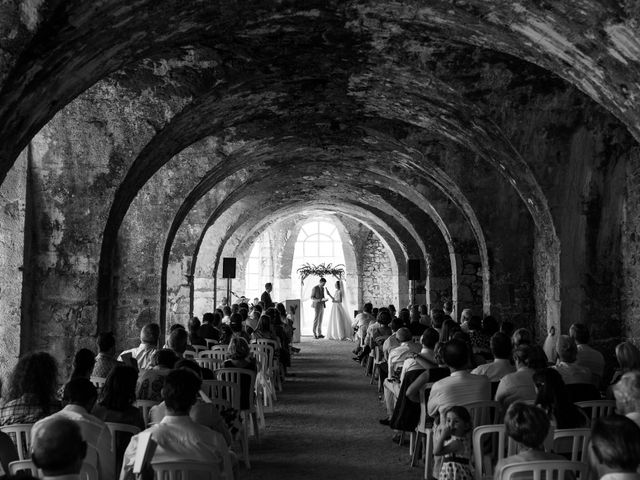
column 339, row 327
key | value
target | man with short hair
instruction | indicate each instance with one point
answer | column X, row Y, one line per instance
column 405, row 350
column 79, row 398
column 266, row 296
column 361, row 324
column 318, row 300
column 177, row 341
column 148, row 346
column 105, row 360
column 501, row 365
column 567, row 367
column 178, row 437
column 461, row 387
column 587, row 356
column 392, row 340
column 150, row 381
column 57, row 448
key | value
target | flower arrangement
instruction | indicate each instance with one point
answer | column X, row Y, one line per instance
column 307, row 270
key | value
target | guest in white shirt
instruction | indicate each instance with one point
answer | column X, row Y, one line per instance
column 519, row 385
column 501, row 365
column 405, row 350
column 614, row 449
column 79, row 397
column 567, row 367
column 57, row 448
column 587, row 356
column 178, row 437
column 461, row 387
column 143, row 353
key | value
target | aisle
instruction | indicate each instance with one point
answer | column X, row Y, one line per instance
column 325, row 424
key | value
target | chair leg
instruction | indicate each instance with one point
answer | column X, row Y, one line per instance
column 428, row 455
column 418, row 447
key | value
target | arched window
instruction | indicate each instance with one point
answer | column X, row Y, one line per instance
column 318, row 242
column 257, row 273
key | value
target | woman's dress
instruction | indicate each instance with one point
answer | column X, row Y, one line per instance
column 339, row 326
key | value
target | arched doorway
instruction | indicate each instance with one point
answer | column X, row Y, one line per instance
column 318, row 242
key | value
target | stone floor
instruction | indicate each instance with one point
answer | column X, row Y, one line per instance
column 325, row 424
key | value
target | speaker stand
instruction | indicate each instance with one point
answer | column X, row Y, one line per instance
column 229, row 302
column 412, row 290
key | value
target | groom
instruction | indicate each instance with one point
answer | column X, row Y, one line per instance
column 318, row 300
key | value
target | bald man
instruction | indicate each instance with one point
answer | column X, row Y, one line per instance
column 57, row 448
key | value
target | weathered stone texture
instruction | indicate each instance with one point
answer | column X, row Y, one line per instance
column 13, row 202
column 377, row 280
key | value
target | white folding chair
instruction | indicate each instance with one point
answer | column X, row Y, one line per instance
column 20, row 433
column 117, row 430
column 275, row 366
column 422, row 439
column 543, row 470
column 212, row 364
column 211, row 342
column 597, row 408
column 501, row 447
column 98, row 382
column 87, row 471
column 484, row 413
column 574, row 441
column 183, row 470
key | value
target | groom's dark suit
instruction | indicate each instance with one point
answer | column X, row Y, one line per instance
column 317, row 295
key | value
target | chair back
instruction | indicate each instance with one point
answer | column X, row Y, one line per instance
column 501, row 446
column 267, row 353
column 544, row 470
column 220, row 352
column 579, row 438
column 212, row 364
column 597, row 408
column 145, row 406
column 211, row 342
column 426, row 422
column 246, row 380
column 266, row 341
column 485, row 413
column 20, row 433
column 21, row 467
column 222, row 394
column 185, row 471
column 121, row 434
column 189, row 354
column 199, row 348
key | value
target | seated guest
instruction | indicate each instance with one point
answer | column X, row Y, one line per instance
column 432, row 373
column 251, row 323
column 553, row 398
column 417, row 361
column 377, row 332
column 83, row 363
column 415, row 326
column 507, row 328
column 237, row 329
column 58, row 448
column 391, row 341
column 465, row 316
column 143, row 353
column 106, row 358
column 194, row 333
column 117, row 398
column 239, row 355
column 208, row 329
column 437, row 319
column 587, row 356
column 80, row 396
column 264, row 331
column 519, row 385
column 405, row 350
column 628, row 357
column 529, row 426
column 150, row 381
column 31, row 394
column 501, row 365
column 202, row 412
column 449, row 328
column 177, row 341
column 627, row 395
column 425, row 319
column 614, row 450
column 177, row 436
column 8, row 451
column 461, row 387
column 361, row 324
column 549, row 345
column 480, row 342
column 522, row 336
column 404, row 316
column 570, row 371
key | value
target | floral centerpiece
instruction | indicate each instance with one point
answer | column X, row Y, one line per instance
column 321, row 270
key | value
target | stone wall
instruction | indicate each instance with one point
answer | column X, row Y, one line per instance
column 378, row 283
column 13, row 199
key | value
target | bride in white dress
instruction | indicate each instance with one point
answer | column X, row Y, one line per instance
column 339, row 326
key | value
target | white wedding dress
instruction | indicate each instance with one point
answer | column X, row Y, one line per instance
column 339, row 326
